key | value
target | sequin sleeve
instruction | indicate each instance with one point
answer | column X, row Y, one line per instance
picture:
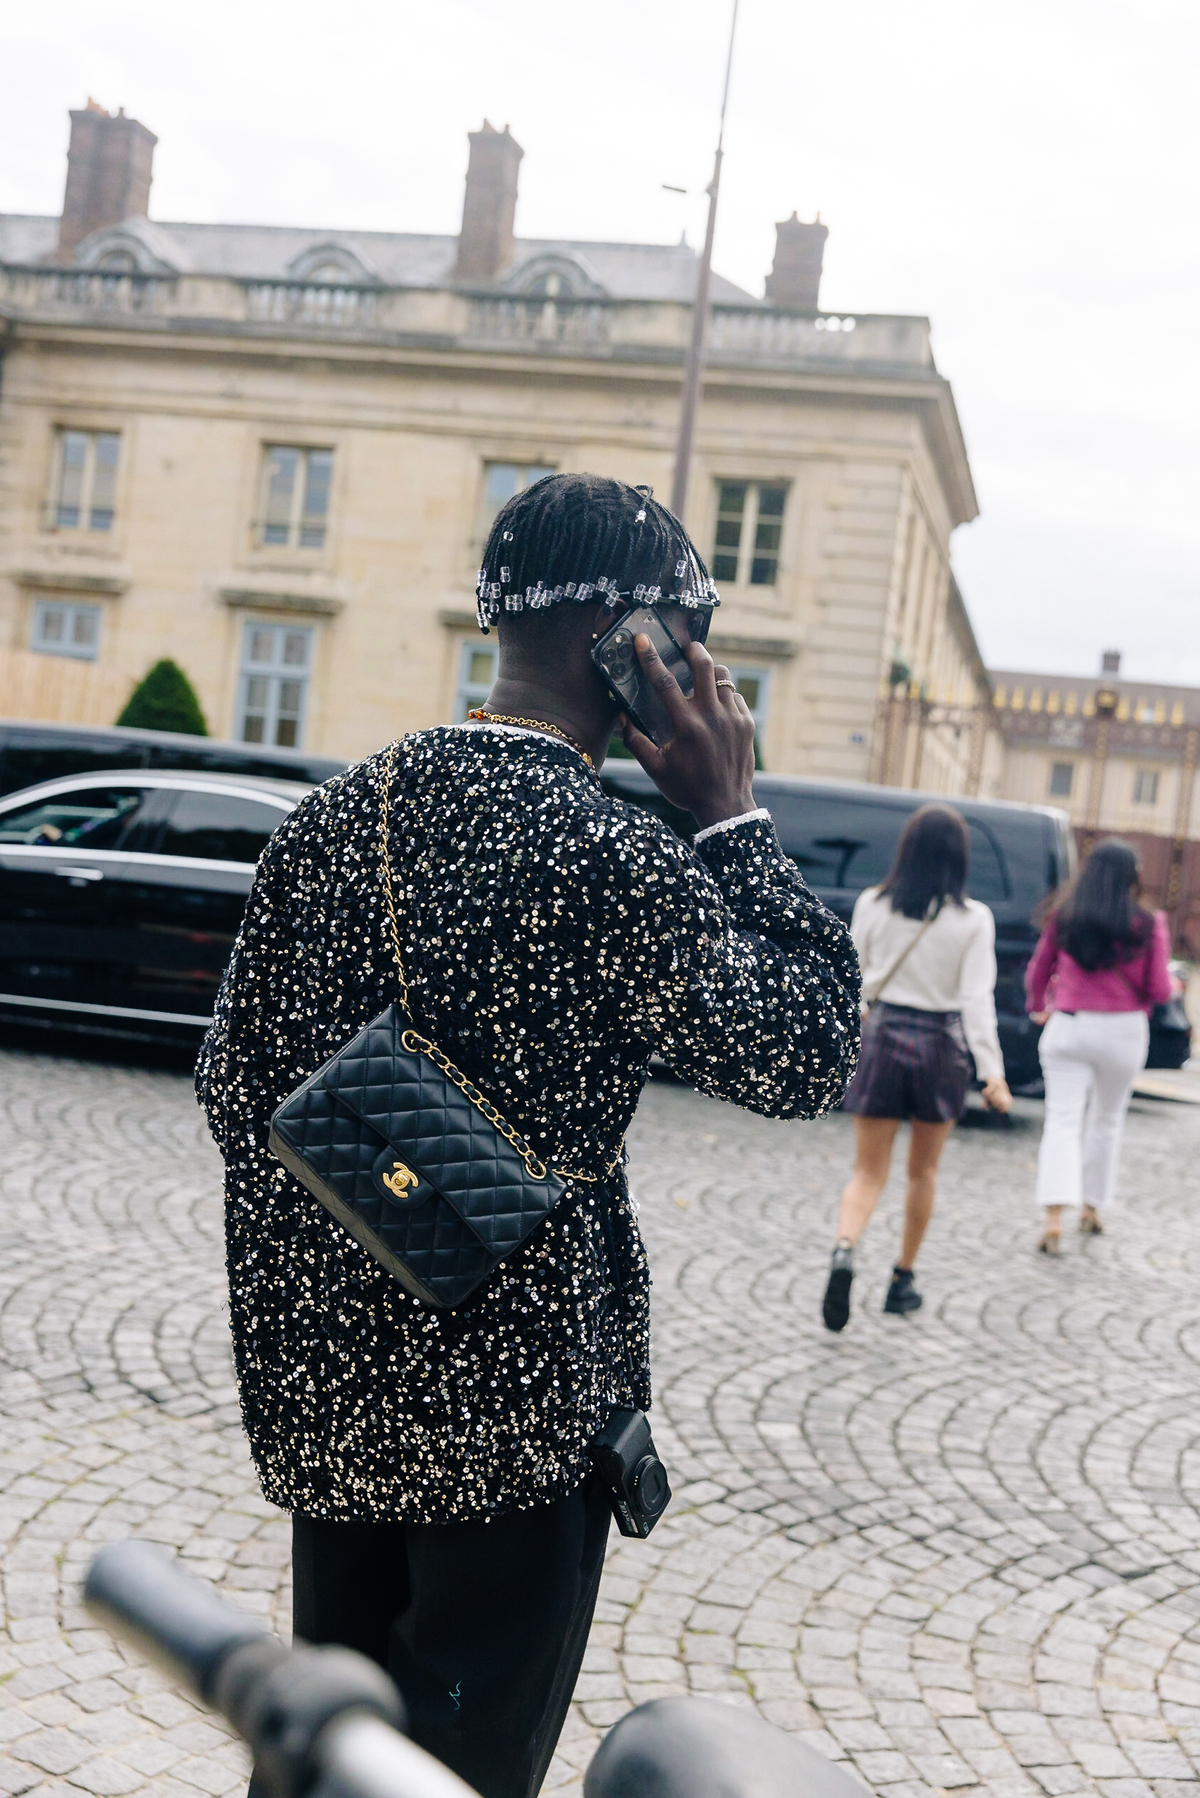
column 217, row 1083
column 741, row 979
column 248, row 1060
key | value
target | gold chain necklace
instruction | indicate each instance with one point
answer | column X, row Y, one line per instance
column 533, row 724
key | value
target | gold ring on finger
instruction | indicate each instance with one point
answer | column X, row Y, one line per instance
column 732, row 685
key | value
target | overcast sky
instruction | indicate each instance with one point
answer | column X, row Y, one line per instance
column 1024, row 172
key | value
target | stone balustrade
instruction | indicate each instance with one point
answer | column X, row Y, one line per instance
column 739, row 335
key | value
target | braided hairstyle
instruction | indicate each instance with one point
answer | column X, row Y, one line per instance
column 573, row 538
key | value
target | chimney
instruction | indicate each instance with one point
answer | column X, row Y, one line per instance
column 485, row 243
column 795, row 278
column 108, row 174
column 1110, row 662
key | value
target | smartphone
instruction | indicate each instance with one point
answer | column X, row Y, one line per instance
column 617, row 660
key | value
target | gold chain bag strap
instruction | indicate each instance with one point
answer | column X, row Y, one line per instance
column 407, row 1153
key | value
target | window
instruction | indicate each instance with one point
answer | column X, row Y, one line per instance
column 1062, row 779
column 295, row 496
column 833, row 844
column 749, row 526
column 85, row 480
column 1145, row 787
column 838, row 842
column 61, row 629
column 476, row 675
column 500, row 481
column 94, row 818
column 552, row 286
column 219, row 827
column 274, row 686
column 986, row 877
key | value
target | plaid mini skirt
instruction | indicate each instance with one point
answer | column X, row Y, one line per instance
column 914, row 1064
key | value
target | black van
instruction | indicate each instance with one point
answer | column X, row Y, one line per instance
column 842, row 837
column 32, row 752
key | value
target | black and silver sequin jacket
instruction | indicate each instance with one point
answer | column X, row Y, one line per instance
column 554, row 938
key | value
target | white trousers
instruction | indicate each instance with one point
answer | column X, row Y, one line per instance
column 1090, row 1060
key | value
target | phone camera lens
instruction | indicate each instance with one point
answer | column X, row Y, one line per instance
column 620, row 656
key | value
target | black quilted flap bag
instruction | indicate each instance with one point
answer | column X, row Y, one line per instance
column 409, row 1156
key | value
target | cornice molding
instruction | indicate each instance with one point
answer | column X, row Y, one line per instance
column 266, row 599
column 766, row 649
column 73, row 580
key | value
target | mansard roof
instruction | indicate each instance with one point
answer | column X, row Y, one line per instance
column 620, row 271
column 1021, row 694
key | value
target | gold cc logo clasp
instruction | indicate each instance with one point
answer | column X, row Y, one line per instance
column 400, row 1179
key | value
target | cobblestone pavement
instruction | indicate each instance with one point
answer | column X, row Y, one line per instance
column 959, row 1551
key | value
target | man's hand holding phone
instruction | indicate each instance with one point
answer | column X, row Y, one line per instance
column 707, row 765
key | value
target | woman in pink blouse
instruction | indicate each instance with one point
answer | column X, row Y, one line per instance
column 1100, row 966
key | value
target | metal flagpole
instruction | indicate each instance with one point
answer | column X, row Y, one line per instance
column 695, row 356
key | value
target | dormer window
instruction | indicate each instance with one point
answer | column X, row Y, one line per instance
column 118, row 262
column 332, row 265
column 553, row 277
column 552, row 286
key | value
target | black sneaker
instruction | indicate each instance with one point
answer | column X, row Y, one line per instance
column 902, row 1295
column 836, row 1307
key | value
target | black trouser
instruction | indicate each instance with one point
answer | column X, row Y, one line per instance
column 482, row 1624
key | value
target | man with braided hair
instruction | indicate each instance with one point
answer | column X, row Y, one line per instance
column 446, row 1520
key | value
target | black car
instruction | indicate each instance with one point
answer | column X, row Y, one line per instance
column 121, row 893
column 31, row 752
column 842, row 837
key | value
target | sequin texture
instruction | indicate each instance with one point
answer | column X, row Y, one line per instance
column 555, row 938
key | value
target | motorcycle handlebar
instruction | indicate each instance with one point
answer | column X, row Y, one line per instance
column 324, row 1722
column 183, row 1626
column 319, row 1721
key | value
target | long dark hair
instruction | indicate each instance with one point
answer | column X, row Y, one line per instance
column 1097, row 919
column 930, row 863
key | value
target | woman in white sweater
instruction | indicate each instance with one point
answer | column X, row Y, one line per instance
column 928, row 958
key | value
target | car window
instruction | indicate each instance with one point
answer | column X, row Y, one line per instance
column 28, row 763
column 219, row 827
column 843, row 843
column 985, row 876
column 93, row 818
column 836, row 842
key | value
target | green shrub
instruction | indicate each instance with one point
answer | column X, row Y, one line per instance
column 165, row 700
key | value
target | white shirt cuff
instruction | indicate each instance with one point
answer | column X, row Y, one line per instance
column 711, row 830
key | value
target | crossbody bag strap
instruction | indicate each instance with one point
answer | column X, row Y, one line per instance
column 901, row 959
column 415, row 1043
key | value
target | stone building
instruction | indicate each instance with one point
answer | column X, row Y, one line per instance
column 273, row 453
column 1119, row 757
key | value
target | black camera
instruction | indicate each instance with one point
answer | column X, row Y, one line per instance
column 628, row 1463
